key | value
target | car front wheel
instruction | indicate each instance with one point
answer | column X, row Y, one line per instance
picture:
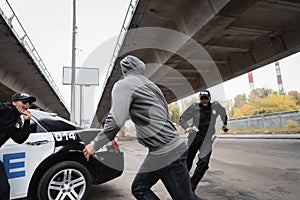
column 67, row 180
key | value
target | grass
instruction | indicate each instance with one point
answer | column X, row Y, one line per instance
column 275, row 130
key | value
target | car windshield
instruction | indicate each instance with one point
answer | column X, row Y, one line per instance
column 52, row 122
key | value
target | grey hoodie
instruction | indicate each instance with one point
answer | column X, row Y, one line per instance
column 137, row 97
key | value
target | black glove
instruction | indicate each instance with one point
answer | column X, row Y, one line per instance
column 224, row 128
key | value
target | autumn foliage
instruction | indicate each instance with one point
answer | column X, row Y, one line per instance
column 264, row 101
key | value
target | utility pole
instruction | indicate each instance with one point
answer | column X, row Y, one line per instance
column 72, row 115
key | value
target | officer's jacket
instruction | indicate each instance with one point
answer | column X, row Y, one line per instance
column 203, row 117
column 11, row 125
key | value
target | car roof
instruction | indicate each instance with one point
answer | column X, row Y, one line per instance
column 52, row 122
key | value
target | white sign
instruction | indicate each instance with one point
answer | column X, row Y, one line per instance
column 83, row 76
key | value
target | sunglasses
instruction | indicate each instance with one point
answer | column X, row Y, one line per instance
column 26, row 101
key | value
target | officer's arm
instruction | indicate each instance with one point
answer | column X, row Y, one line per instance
column 223, row 115
column 186, row 115
column 224, row 118
column 22, row 133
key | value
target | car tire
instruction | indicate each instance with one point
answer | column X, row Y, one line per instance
column 65, row 180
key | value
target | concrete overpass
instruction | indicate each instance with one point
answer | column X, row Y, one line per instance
column 21, row 69
column 192, row 45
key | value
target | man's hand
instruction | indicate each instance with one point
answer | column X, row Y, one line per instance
column 26, row 115
column 88, row 151
column 224, row 128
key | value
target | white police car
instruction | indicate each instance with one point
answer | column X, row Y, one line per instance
column 50, row 163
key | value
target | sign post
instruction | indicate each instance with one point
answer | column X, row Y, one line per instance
column 83, row 77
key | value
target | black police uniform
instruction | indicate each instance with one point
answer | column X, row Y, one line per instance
column 11, row 126
column 204, row 118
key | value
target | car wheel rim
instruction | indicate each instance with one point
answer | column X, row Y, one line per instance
column 67, row 184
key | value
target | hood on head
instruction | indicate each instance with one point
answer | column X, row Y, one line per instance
column 132, row 65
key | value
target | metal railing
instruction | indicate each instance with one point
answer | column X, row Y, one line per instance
column 129, row 14
column 19, row 30
column 272, row 120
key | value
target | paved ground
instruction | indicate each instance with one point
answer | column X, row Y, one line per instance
column 265, row 169
column 119, row 189
column 240, row 169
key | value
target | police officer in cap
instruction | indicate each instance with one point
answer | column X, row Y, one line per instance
column 14, row 124
column 204, row 115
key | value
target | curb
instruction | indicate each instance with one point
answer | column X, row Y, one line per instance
column 259, row 136
column 236, row 136
column 256, row 136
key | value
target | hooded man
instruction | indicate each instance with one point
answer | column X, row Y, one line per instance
column 140, row 99
column 12, row 126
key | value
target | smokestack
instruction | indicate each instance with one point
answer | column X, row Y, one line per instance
column 279, row 79
column 251, row 84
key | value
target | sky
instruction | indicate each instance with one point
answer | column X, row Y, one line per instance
column 266, row 77
column 49, row 26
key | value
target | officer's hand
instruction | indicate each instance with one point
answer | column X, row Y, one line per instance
column 224, row 128
column 26, row 115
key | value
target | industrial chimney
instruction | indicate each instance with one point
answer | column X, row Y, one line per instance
column 279, row 79
column 251, row 84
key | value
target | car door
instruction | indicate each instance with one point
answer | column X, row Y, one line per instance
column 21, row 160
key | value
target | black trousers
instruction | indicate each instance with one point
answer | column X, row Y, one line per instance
column 195, row 142
column 4, row 185
column 174, row 176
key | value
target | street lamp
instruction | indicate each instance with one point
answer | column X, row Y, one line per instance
column 72, row 114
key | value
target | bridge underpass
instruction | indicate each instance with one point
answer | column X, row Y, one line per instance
column 236, row 36
column 19, row 71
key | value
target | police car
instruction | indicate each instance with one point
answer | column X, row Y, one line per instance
column 50, row 163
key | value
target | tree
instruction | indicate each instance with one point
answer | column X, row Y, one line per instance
column 275, row 102
column 282, row 102
column 295, row 95
column 174, row 112
column 229, row 107
column 261, row 92
column 240, row 100
column 264, row 101
column 244, row 110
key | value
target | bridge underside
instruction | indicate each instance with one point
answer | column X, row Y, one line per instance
column 19, row 72
column 192, row 45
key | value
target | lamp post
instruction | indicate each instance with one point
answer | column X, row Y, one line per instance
column 72, row 114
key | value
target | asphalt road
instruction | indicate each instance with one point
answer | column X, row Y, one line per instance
column 240, row 169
